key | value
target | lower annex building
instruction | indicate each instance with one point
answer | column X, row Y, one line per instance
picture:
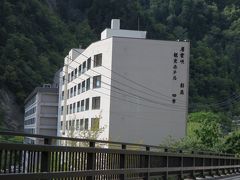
column 41, row 112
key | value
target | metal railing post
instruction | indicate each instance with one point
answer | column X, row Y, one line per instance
column 211, row 170
column 91, row 158
column 218, row 170
column 46, row 157
column 147, row 164
column 194, row 165
column 181, row 161
column 122, row 162
column 165, row 177
column 203, row 172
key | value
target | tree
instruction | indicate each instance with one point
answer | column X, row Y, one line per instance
column 94, row 133
column 231, row 143
column 204, row 132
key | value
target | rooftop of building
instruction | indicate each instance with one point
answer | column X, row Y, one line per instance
column 116, row 32
column 46, row 88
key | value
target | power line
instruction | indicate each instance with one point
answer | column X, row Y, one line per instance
column 149, row 100
column 140, row 84
column 126, row 78
column 126, row 85
column 119, row 92
column 208, row 105
column 152, row 107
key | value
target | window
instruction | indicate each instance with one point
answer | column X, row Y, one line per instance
column 61, row 125
column 96, row 81
column 81, row 124
column 83, row 86
column 70, row 108
column 29, row 121
column 75, row 90
column 79, row 88
column 88, row 84
column 87, row 104
column 82, row 105
column 96, row 102
column 73, row 124
column 71, row 92
column 68, row 94
column 79, row 70
column 70, row 125
column 78, row 106
column 97, row 60
column 69, row 77
column 30, row 112
column 62, row 94
column 84, row 67
column 74, row 107
column 67, row 109
column 66, row 125
column 72, row 75
column 75, row 73
column 61, row 110
column 86, row 124
column 89, row 63
column 77, row 124
column 94, row 124
column 63, row 79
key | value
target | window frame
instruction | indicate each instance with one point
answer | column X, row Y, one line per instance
column 97, row 61
column 94, row 102
column 88, row 82
column 95, row 80
column 89, row 63
column 82, row 104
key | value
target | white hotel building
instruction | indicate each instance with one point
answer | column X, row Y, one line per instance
column 137, row 86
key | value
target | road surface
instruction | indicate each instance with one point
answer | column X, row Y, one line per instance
column 232, row 178
column 236, row 177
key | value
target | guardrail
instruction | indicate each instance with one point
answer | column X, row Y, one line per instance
column 106, row 160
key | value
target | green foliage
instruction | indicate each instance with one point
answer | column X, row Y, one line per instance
column 205, row 132
column 231, row 143
column 36, row 35
column 13, row 139
column 2, row 114
column 217, row 120
column 33, row 42
column 204, row 127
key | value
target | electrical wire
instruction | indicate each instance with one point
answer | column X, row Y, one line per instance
column 130, row 80
column 152, row 107
column 135, row 95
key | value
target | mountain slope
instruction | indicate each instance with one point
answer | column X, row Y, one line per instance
column 35, row 35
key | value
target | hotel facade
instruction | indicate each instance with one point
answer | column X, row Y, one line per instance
column 132, row 88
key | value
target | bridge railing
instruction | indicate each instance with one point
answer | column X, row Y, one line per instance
column 55, row 161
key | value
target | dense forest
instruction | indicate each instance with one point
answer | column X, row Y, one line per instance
column 35, row 35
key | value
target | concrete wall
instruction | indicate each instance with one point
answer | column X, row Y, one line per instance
column 47, row 114
column 104, row 47
column 151, row 64
column 108, row 33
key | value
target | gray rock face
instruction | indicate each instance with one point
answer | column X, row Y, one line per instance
column 11, row 114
